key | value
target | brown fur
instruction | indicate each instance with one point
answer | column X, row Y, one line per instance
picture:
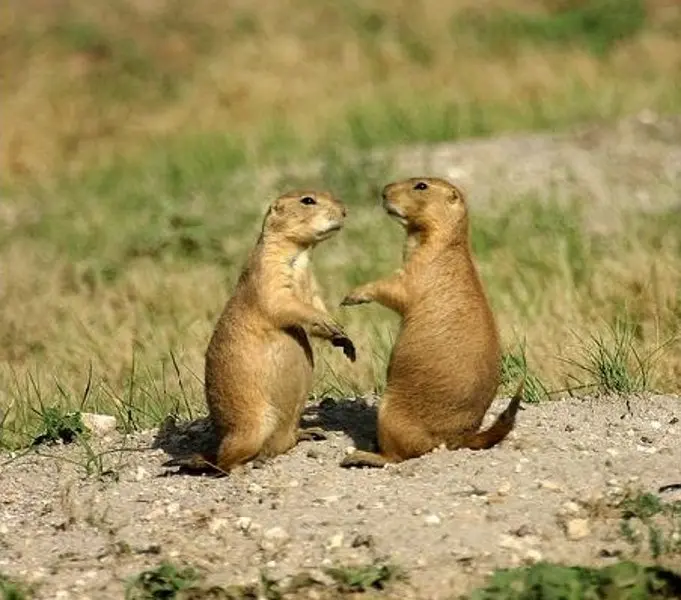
column 259, row 362
column 444, row 369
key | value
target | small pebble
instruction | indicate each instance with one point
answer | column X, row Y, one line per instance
column 244, row 523
column 504, row 489
column 335, row 541
column 432, row 520
column 533, row 556
column 216, row 525
column 577, row 529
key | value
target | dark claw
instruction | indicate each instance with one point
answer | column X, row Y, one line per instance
column 347, row 345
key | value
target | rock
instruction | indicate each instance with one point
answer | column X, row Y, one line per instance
column 570, row 508
column 576, row 529
column 549, row 485
column 504, row 489
column 99, row 425
column 244, row 523
column 432, row 520
column 140, row 473
column 216, row 525
column 533, row 556
column 276, row 536
column 349, row 450
column 335, row 541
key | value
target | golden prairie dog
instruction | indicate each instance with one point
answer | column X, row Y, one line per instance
column 259, row 362
column 444, row 368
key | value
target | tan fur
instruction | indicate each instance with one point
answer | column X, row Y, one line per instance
column 444, row 369
column 259, row 362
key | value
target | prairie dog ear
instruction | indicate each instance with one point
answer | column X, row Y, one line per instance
column 456, row 195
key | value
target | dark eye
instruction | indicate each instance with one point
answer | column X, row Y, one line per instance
column 421, row 186
column 308, row 200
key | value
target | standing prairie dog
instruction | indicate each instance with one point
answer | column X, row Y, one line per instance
column 259, row 362
column 444, row 368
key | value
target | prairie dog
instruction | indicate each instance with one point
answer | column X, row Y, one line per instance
column 444, row 368
column 259, row 361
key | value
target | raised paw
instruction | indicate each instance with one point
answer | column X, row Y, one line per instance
column 311, row 434
column 355, row 297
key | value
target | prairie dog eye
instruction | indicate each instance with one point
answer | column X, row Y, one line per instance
column 308, row 200
column 421, row 186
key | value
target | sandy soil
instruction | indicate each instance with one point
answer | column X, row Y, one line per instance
column 448, row 518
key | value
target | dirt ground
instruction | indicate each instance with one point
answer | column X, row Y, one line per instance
column 448, row 518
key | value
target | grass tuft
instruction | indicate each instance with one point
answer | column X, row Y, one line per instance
column 645, row 516
column 59, row 426
column 165, row 581
column 365, row 578
column 10, row 589
column 544, row 580
column 598, row 25
column 612, row 362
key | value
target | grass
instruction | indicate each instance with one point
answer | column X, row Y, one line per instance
column 621, row 581
column 117, row 282
column 85, row 83
column 645, row 517
column 12, row 590
column 170, row 581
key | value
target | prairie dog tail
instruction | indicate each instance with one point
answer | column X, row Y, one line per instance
column 482, row 440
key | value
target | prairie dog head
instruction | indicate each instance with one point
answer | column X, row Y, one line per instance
column 305, row 217
column 426, row 204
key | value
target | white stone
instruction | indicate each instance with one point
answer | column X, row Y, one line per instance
column 244, row 523
column 277, row 534
column 577, row 529
column 432, row 520
column 335, row 541
column 99, row 425
column 533, row 556
column 571, row 507
column 216, row 525
column 504, row 489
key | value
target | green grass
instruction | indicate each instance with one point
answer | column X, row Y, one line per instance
column 10, row 589
column 649, row 523
column 621, row 581
column 113, row 79
column 185, row 583
column 597, row 25
column 118, row 277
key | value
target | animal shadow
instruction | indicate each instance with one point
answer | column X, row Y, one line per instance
column 183, row 439
column 356, row 418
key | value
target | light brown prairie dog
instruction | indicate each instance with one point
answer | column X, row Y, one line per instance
column 444, row 368
column 259, row 362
